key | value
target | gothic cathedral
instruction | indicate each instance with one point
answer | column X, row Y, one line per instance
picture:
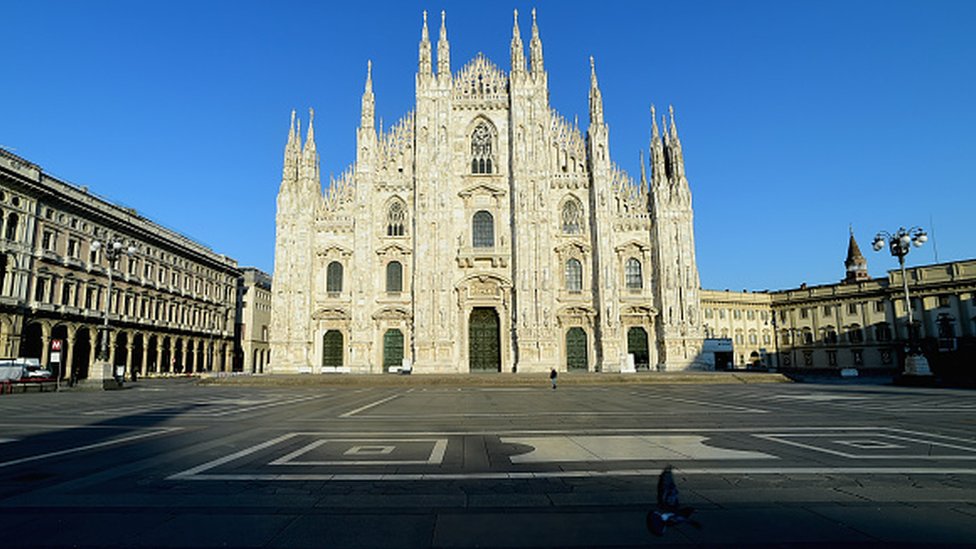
column 485, row 232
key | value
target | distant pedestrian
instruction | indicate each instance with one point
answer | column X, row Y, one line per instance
column 552, row 378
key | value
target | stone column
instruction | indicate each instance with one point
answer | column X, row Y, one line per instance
column 159, row 355
column 182, row 364
column 128, row 355
column 145, row 354
column 45, row 347
column 68, row 356
column 110, row 337
column 228, row 358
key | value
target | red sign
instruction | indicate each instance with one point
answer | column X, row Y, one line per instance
column 55, row 344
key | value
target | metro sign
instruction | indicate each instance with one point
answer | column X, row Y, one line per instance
column 55, row 344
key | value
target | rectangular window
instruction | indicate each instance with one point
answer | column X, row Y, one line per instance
column 147, row 271
column 721, row 314
column 943, row 301
column 804, row 312
column 828, row 310
column 133, row 266
column 66, row 294
column 751, row 315
column 72, row 248
column 89, row 298
column 766, row 339
column 40, row 289
column 763, row 316
column 708, row 313
column 47, row 240
column 752, row 339
column 852, row 308
column 737, row 314
column 879, row 306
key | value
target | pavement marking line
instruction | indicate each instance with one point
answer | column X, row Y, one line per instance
column 782, row 438
column 368, row 406
column 525, row 475
column 436, row 456
column 157, row 431
column 230, row 457
column 707, row 404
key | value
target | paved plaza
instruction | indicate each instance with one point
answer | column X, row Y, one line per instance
column 174, row 463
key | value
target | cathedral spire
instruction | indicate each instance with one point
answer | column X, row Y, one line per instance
column 678, row 159
column 369, row 101
column 643, row 177
column 292, row 151
column 518, row 51
column 310, row 157
column 535, row 48
column 657, row 153
column 425, row 63
column 443, row 50
column 596, row 98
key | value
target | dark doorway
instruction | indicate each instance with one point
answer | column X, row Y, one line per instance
column 484, row 343
column 30, row 343
column 81, row 357
column 637, row 346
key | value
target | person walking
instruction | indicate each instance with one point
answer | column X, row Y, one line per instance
column 552, row 378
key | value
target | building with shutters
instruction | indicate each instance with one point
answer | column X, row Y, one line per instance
column 483, row 231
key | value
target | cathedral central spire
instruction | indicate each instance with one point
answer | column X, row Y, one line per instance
column 369, row 102
column 443, row 50
column 596, row 98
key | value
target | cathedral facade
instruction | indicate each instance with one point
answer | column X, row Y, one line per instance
column 485, row 232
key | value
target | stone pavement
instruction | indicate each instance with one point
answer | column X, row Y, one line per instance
column 175, row 463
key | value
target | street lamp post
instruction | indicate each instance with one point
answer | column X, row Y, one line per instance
column 113, row 247
column 899, row 244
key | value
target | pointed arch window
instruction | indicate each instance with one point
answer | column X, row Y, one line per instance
column 395, row 219
column 572, row 217
column 483, row 230
column 333, row 278
column 574, row 275
column 481, row 151
column 632, row 274
column 394, row 277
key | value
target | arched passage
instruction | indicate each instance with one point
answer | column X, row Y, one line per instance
column 81, row 354
column 31, row 343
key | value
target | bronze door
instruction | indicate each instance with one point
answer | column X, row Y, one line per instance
column 484, row 345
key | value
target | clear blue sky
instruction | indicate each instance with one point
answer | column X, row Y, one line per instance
column 797, row 118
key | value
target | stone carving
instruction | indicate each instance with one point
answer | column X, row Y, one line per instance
column 570, row 201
